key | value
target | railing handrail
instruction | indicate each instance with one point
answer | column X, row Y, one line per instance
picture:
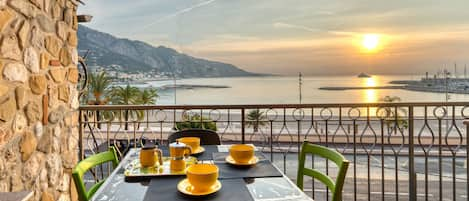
column 271, row 106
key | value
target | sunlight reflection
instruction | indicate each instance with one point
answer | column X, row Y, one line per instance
column 370, row 82
column 370, row 96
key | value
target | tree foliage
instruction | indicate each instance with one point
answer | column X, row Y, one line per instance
column 98, row 86
column 395, row 116
column 195, row 121
column 256, row 119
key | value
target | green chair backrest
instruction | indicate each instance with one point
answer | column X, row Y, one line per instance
column 88, row 163
column 335, row 186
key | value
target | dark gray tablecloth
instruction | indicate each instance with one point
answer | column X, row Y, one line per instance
column 264, row 168
column 165, row 189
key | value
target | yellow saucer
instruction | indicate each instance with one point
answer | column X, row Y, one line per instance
column 230, row 160
column 199, row 150
column 185, row 187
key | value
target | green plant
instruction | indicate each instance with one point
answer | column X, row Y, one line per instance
column 256, row 119
column 99, row 84
column 395, row 116
column 148, row 96
column 195, row 121
column 127, row 95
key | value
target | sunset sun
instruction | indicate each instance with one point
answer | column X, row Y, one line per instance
column 370, row 41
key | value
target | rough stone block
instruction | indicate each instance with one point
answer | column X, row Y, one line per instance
column 72, row 39
column 58, row 74
column 23, row 34
column 56, row 115
column 69, row 159
column 65, row 57
column 54, row 164
column 62, row 30
column 46, row 196
column 5, row 135
column 64, row 93
column 3, row 170
column 20, row 123
column 56, row 11
column 3, row 91
column 44, row 61
column 38, row 129
column 15, row 180
column 68, row 16
column 53, row 45
column 33, row 112
column 45, row 23
column 15, row 72
column 53, row 95
column 37, row 38
column 6, row 15
column 32, row 167
column 10, row 48
column 20, row 92
column 38, row 84
column 73, row 75
column 7, row 109
column 45, row 142
column 74, row 56
column 24, row 7
column 31, row 60
column 28, row 145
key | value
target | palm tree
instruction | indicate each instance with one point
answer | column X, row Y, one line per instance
column 127, row 95
column 98, row 85
column 148, row 96
column 256, row 118
column 394, row 118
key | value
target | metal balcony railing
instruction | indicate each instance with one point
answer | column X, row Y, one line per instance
column 398, row 151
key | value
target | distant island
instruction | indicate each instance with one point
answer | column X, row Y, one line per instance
column 363, row 75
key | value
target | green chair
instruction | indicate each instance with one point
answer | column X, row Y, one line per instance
column 90, row 162
column 336, row 157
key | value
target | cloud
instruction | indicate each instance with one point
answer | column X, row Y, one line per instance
column 294, row 26
column 179, row 12
column 309, row 29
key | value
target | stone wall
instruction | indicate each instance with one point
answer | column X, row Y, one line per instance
column 38, row 97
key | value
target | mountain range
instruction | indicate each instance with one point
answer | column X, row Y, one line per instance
column 113, row 53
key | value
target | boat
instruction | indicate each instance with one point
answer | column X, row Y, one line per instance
column 363, row 75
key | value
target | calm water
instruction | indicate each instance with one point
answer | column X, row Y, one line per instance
column 284, row 90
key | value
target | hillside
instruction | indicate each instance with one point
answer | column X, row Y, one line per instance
column 136, row 56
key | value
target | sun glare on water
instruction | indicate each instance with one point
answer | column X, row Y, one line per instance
column 370, row 41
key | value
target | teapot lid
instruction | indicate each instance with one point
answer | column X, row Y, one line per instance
column 149, row 145
column 177, row 144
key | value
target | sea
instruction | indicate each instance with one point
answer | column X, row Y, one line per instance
column 286, row 90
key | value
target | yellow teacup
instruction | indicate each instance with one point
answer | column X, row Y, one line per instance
column 192, row 142
column 202, row 176
column 242, row 153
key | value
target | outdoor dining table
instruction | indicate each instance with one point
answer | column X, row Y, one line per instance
column 271, row 188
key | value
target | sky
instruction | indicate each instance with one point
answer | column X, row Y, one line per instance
column 320, row 37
